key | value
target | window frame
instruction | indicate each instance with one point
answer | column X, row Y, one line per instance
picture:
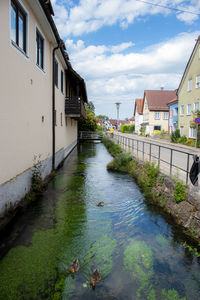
column 189, row 86
column 197, row 81
column 19, row 9
column 189, row 112
column 164, row 115
column 157, row 115
column 41, row 37
column 194, row 108
column 62, row 81
column 182, row 110
column 191, row 131
column 56, row 72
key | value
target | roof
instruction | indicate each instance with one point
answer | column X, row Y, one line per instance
column 157, row 99
column 48, row 10
column 189, row 61
column 132, row 119
column 173, row 101
column 139, row 105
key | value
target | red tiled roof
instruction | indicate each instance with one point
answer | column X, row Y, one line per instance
column 173, row 100
column 157, row 99
column 132, row 119
column 139, row 104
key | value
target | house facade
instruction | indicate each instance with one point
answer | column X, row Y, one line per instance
column 156, row 111
column 173, row 115
column 41, row 97
column 138, row 114
column 189, row 93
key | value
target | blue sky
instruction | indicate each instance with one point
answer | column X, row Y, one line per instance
column 122, row 47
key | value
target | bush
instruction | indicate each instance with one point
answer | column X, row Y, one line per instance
column 183, row 140
column 175, row 136
column 120, row 163
column 113, row 148
column 179, row 191
column 127, row 128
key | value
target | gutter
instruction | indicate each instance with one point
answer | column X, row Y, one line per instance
column 53, row 110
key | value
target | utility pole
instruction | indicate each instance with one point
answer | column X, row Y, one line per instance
column 117, row 105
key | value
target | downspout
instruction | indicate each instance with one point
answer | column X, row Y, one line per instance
column 53, row 111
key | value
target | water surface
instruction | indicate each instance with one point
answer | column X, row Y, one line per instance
column 139, row 253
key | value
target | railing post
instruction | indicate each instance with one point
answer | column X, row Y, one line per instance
column 150, row 152
column 171, row 162
column 188, row 165
column 143, row 150
column 137, row 148
column 159, row 156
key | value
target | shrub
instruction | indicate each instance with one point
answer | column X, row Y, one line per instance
column 113, row 148
column 142, row 130
column 183, row 140
column 175, row 136
column 179, row 191
column 120, row 163
column 190, row 142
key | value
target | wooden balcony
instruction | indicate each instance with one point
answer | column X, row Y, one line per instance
column 74, row 108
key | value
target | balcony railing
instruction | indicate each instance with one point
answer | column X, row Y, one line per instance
column 74, row 108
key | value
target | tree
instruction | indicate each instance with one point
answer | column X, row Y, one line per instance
column 90, row 123
column 102, row 117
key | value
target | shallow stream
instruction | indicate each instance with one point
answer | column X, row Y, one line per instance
column 139, row 253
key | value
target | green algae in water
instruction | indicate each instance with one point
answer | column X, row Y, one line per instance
column 100, row 255
column 171, row 295
column 163, row 242
column 138, row 259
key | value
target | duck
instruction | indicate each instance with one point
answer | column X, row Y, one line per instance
column 100, row 203
column 74, row 267
column 95, row 277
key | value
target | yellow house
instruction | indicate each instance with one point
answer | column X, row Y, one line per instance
column 156, row 111
column 189, row 93
column 41, row 99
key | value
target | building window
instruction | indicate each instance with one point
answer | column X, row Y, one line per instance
column 157, row 115
column 61, row 119
column 166, row 115
column 189, row 109
column 182, row 110
column 197, row 81
column 18, row 25
column 192, row 132
column 157, row 128
column 196, row 107
column 189, row 88
column 56, row 72
column 61, row 81
column 181, row 130
column 39, row 50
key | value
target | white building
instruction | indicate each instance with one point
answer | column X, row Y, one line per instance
column 138, row 114
column 39, row 111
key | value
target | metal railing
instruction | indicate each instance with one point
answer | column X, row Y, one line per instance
column 74, row 107
column 171, row 161
column 90, row 135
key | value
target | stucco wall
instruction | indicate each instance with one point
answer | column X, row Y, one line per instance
column 185, row 97
column 26, row 110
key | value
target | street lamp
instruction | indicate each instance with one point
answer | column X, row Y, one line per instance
column 117, row 105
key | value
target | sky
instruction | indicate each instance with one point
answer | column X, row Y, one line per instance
column 123, row 47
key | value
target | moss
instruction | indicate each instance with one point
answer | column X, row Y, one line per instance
column 163, row 242
column 138, row 259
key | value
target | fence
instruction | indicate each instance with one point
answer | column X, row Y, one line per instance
column 171, row 161
column 90, row 135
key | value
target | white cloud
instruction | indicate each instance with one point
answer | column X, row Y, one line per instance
column 113, row 76
column 91, row 15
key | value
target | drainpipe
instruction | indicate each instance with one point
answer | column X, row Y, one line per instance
column 53, row 111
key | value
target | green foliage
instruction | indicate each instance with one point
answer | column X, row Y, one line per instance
column 90, row 123
column 175, row 136
column 183, row 140
column 152, row 295
column 191, row 249
column 171, row 295
column 127, row 128
column 102, row 117
column 36, row 179
column 138, row 259
column 120, row 163
column 179, row 191
column 113, row 149
column 142, row 130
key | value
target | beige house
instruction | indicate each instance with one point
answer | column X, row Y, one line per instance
column 39, row 110
column 156, row 111
column 189, row 93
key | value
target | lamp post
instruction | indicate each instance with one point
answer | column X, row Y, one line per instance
column 117, row 105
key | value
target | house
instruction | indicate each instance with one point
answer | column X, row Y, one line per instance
column 156, row 111
column 189, row 93
column 42, row 97
column 173, row 115
column 138, row 114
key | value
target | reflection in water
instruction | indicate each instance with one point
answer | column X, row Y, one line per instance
column 138, row 253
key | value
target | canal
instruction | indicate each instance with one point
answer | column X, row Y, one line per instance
column 139, row 253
